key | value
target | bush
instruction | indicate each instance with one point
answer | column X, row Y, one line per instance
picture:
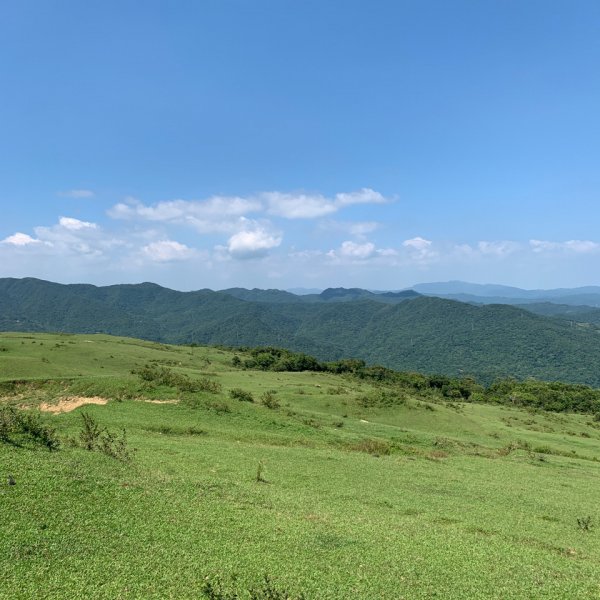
column 169, row 378
column 90, row 432
column 269, row 400
column 585, row 523
column 214, row 590
column 15, row 422
column 33, row 425
column 96, row 438
column 240, row 394
column 372, row 446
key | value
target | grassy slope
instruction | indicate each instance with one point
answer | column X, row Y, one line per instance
column 446, row 514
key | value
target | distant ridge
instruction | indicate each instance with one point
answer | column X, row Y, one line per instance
column 502, row 294
column 397, row 329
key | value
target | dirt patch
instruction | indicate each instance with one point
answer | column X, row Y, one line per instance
column 162, row 401
column 71, row 403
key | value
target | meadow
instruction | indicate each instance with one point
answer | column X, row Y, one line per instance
column 209, row 480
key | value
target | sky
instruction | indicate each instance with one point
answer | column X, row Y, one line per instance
column 314, row 143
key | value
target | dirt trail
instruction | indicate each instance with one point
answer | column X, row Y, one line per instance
column 71, row 403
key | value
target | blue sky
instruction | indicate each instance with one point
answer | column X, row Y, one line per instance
column 282, row 143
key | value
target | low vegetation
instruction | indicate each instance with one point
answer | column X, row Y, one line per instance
column 345, row 481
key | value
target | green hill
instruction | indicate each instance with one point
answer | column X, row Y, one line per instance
column 192, row 478
column 420, row 333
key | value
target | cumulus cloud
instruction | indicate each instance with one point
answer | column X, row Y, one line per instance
column 499, row 249
column 75, row 224
column 167, row 251
column 77, row 194
column 419, row 249
column 362, row 196
column 252, row 243
column 310, row 206
column 417, row 243
column 350, row 249
column 298, row 206
column 576, row 246
column 217, row 214
column 75, row 237
column 20, row 239
column 358, row 252
column 356, row 228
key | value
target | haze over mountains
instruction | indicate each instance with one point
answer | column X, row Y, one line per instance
column 402, row 330
column 503, row 294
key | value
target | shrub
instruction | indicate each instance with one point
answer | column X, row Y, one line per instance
column 269, row 400
column 183, row 383
column 214, row 590
column 33, row 425
column 30, row 424
column 260, row 473
column 240, row 394
column 102, row 440
column 372, row 446
column 584, row 523
column 115, row 446
column 90, row 432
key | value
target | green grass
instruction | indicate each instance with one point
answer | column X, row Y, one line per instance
column 419, row 500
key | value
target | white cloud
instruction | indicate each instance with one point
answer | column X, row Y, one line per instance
column 420, row 250
column 298, row 206
column 356, row 228
column 167, row 250
column 362, row 196
column 418, row 243
column 359, row 252
column 350, row 249
column 499, row 249
column 20, row 239
column 75, row 224
column 77, row 194
column 576, row 246
column 225, row 214
column 252, row 243
column 362, row 228
column 310, row 206
column 217, row 214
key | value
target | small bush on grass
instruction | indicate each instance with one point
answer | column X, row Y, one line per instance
column 372, row 446
column 585, row 523
column 241, row 395
column 213, row 589
column 156, row 375
column 115, row 446
column 219, row 407
column 19, row 423
column 90, row 432
column 269, row 400
column 32, row 425
column 97, row 438
column 260, row 473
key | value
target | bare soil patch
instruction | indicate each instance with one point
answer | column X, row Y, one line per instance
column 71, row 403
column 162, row 401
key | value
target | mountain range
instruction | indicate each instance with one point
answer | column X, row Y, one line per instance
column 402, row 330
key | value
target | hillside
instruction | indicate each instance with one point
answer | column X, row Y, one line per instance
column 420, row 333
column 332, row 486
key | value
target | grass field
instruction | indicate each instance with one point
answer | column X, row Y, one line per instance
column 327, row 493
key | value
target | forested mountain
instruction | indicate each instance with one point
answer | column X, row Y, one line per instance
column 427, row 334
column 328, row 295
